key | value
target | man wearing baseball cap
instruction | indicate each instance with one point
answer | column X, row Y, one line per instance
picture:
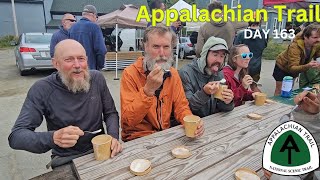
column 89, row 34
column 201, row 79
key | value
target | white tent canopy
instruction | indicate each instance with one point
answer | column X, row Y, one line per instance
column 191, row 26
column 124, row 17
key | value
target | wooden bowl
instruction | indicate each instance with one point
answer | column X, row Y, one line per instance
column 246, row 174
column 140, row 167
column 181, row 152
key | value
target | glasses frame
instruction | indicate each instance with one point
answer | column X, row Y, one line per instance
column 71, row 20
column 245, row 55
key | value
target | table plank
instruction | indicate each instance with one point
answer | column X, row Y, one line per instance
column 250, row 157
column 160, row 155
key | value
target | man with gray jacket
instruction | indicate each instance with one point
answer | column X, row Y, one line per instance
column 201, row 79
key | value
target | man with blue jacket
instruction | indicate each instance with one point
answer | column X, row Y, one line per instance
column 89, row 34
column 66, row 22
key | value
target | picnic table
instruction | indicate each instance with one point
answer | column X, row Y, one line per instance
column 288, row 100
column 231, row 140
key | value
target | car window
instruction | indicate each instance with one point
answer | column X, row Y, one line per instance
column 39, row 39
column 183, row 40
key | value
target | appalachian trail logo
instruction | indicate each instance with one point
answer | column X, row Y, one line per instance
column 290, row 150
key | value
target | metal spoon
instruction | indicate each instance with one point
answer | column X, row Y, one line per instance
column 166, row 70
column 93, row 132
column 258, row 84
column 288, row 117
column 223, row 81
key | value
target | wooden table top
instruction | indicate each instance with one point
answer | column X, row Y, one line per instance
column 230, row 141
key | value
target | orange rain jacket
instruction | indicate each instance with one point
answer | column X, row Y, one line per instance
column 142, row 115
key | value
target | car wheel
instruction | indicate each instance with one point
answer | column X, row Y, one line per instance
column 182, row 54
column 22, row 72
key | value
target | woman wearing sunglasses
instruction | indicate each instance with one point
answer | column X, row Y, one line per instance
column 236, row 75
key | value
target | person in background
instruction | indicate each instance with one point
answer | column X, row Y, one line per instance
column 256, row 46
column 299, row 57
column 225, row 30
column 66, row 22
column 158, row 4
column 72, row 100
column 201, row 80
column 236, row 75
column 151, row 91
column 89, row 34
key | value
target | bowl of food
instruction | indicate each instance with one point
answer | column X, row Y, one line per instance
column 246, row 174
column 140, row 167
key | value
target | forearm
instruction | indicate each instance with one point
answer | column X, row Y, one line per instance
column 112, row 125
column 295, row 69
column 100, row 61
column 35, row 142
column 198, row 99
column 222, row 106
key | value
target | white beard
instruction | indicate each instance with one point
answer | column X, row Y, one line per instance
column 148, row 63
column 78, row 85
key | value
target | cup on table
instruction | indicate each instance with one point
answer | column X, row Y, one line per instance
column 218, row 94
column 102, row 146
column 260, row 99
column 191, row 123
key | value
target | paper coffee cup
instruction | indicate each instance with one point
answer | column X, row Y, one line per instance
column 260, row 99
column 218, row 94
column 102, row 147
column 191, row 123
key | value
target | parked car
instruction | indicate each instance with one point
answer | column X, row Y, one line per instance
column 33, row 52
column 186, row 48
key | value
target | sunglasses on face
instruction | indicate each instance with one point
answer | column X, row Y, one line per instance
column 72, row 20
column 245, row 55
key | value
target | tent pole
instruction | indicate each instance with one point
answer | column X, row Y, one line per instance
column 116, row 78
column 177, row 51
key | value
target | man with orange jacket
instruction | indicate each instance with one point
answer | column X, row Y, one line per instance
column 151, row 90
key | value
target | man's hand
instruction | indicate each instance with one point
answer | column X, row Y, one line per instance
column 154, row 81
column 247, row 81
column 308, row 102
column 116, row 147
column 227, row 96
column 313, row 64
column 267, row 174
column 200, row 129
column 211, row 87
column 67, row 137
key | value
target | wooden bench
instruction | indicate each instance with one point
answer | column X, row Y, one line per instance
column 124, row 59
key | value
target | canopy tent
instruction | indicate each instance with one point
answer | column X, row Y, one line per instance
column 124, row 17
column 191, row 26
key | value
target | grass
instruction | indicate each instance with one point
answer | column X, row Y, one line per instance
column 274, row 49
column 6, row 40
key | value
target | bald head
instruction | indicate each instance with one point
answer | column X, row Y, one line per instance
column 68, row 47
column 67, row 21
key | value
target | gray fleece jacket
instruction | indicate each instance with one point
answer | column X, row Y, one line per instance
column 51, row 99
column 194, row 79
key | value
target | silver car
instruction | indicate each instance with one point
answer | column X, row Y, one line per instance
column 186, row 48
column 33, row 52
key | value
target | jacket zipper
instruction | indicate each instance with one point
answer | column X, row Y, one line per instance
column 159, row 120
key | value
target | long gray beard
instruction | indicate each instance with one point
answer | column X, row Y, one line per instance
column 148, row 63
column 75, row 86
